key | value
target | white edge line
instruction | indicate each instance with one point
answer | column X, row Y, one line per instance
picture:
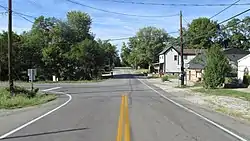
column 197, row 114
column 40, row 117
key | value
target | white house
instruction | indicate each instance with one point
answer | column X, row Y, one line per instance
column 170, row 59
column 243, row 67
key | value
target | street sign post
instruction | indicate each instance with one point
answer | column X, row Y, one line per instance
column 32, row 75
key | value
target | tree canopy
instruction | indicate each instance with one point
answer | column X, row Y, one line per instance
column 66, row 49
column 143, row 48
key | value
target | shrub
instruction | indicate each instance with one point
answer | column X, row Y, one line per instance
column 217, row 66
column 164, row 78
column 246, row 79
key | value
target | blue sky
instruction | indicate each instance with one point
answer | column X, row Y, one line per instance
column 106, row 25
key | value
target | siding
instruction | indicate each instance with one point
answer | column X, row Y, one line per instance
column 170, row 64
column 174, row 66
column 161, row 58
column 242, row 65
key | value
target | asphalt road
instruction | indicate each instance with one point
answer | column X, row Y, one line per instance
column 93, row 115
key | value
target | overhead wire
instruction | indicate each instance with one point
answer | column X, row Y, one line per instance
column 235, row 16
column 118, row 13
column 20, row 14
column 226, row 27
column 224, row 9
column 172, row 4
column 125, row 38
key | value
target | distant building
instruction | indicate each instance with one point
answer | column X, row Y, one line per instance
column 170, row 59
column 197, row 65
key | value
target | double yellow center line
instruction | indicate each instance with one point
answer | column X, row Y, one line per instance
column 123, row 131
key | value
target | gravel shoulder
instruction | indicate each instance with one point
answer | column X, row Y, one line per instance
column 230, row 112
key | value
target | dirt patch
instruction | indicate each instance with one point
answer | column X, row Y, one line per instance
column 231, row 106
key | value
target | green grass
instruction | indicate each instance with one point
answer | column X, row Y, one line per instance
column 173, row 76
column 225, row 92
column 22, row 100
column 139, row 71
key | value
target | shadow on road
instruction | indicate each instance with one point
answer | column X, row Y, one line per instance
column 129, row 76
column 111, row 91
column 45, row 133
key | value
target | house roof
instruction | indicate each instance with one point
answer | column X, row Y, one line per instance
column 198, row 62
column 185, row 51
column 235, row 57
column 233, row 54
column 246, row 56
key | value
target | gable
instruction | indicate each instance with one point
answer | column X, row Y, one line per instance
column 245, row 59
column 185, row 51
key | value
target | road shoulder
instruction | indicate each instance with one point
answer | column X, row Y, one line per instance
column 10, row 119
column 235, row 125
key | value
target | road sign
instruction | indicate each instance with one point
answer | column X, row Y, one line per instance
column 31, row 74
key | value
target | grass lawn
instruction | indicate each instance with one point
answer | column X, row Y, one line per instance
column 22, row 100
column 173, row 76
column 225, row 92
column 139, row 71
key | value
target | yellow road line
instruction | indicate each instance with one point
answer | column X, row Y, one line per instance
column 120, row 122
column 127, row 121
column 123, row 131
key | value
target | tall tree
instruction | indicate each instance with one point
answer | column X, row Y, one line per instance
column 148, row 42
column 238, row 35
column 125, row 52
column 200, row 33
column 80, row 23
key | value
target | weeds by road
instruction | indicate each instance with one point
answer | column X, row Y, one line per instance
column 22, row 99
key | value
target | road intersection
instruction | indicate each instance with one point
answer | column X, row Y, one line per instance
column 93, row 112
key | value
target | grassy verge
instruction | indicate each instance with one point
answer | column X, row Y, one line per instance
column 173, row 76
column 22, row 99
column 140, row 71
column 225, row 92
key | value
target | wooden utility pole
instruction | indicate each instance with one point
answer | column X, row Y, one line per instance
column 10, row 47
column 181, row 45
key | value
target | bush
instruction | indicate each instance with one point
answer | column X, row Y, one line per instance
column 246, row 80
column 164, row 78
column 217, row 66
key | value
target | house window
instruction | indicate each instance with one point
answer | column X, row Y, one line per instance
column 185, row 57
column 175, row 58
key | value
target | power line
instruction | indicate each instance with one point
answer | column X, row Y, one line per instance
column 235, row 16
column 20, row 14
column 172, row 4
column 117, row 13
column 226, row 27
column 125, row 38
column 224, row 9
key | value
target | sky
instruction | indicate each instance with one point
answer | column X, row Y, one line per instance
column 111, row 26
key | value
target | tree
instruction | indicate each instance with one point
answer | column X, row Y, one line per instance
column 125, row 52
column 80, row 23
column 200, row 33
column 146, row 45
column 237, row 34
column 217, row 66
column 89, row 56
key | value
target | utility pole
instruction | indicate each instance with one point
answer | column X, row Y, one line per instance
column 10, row 47
column 181, row 44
